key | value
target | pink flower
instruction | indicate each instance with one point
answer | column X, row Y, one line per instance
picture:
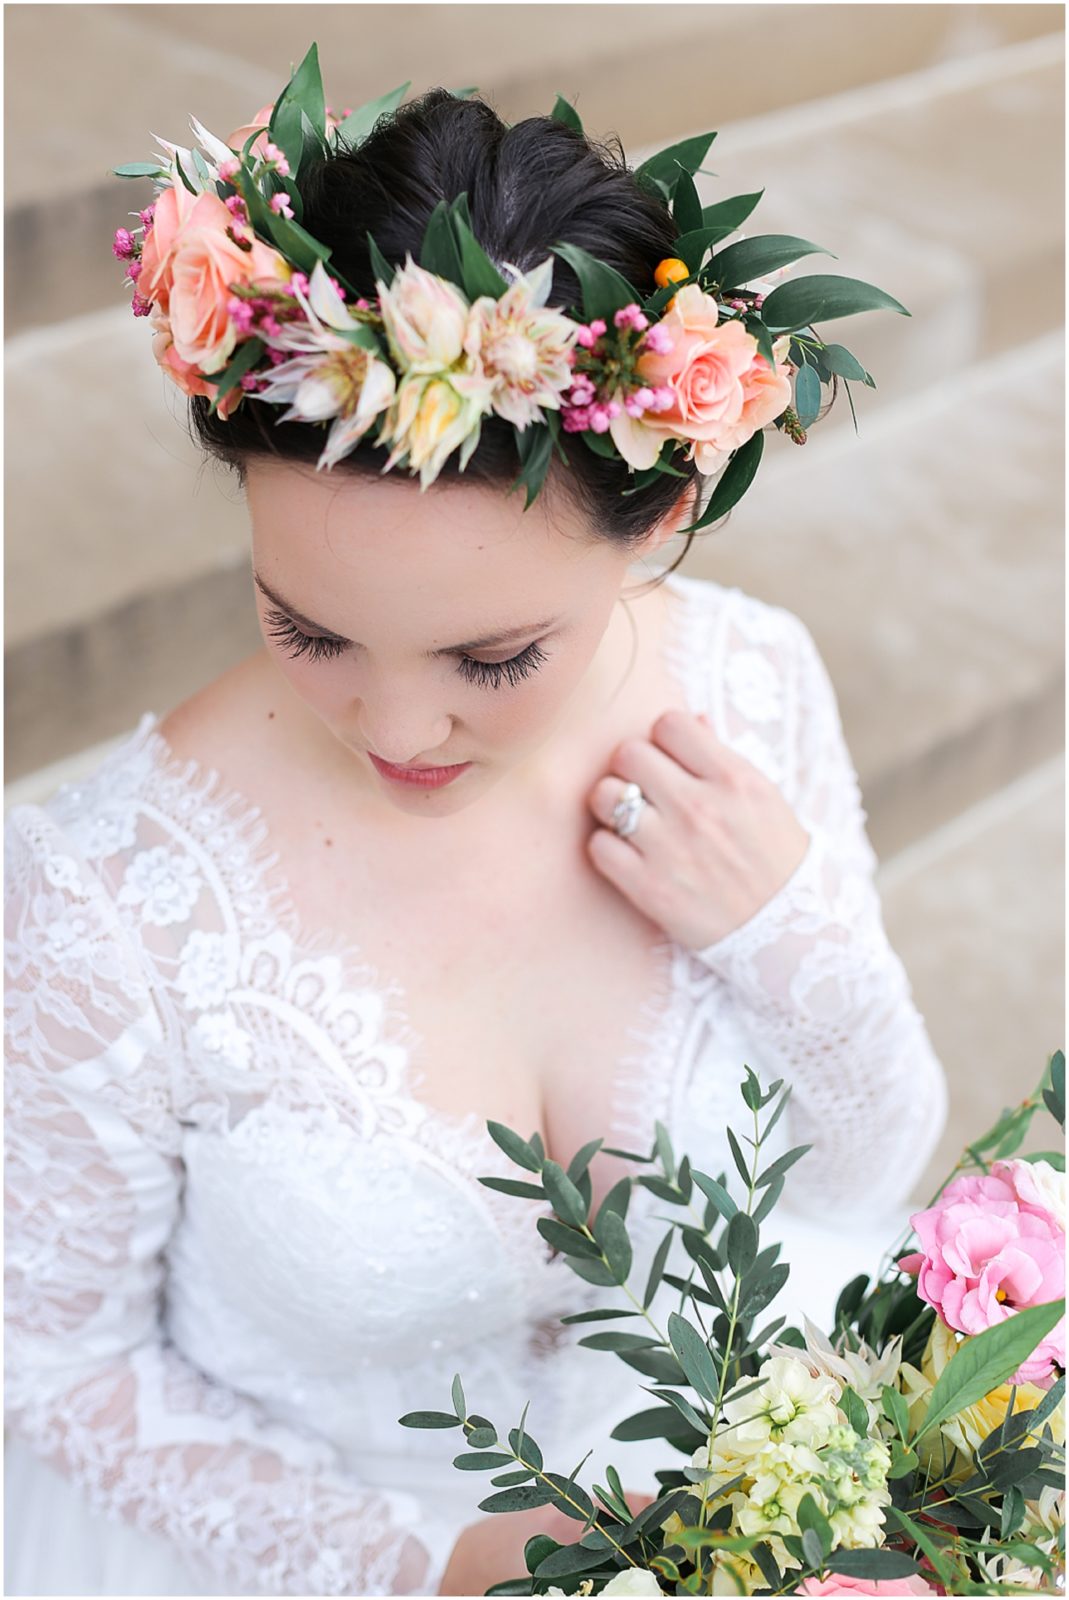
column 839, row 1583
column 722, row 390
column 237, row 139
column 990, row 1246
column 229, row 169
column 185, row 373
column 123, row 244
column 280, row 204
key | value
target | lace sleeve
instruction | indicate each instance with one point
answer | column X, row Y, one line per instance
column 822, row 989
column 93, row 1178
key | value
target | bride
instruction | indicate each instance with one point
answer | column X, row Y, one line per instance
column 275, row 963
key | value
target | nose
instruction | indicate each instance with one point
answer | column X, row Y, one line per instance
column 402, row 735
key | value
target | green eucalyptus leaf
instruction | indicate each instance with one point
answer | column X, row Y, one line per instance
column 717, row 1194
column 479, row 276
column 482, row 1438
column 657, row 1269
column 526, row 1448
column 515, row 1148
column 140, row 169
column 617, row 1199
column 856, row 1411
column 786, row 1161
column 568, row 1559
column 565, row 1197
column 659, row 1422
column 527, row 1191
column 602, row 1314
column 524, row 1498
column 818, row 296
column 570, row 1498
column 356, row 127
column 482, row 1461
column 838, row 359
column 603, row 289
column 806, row 401
column 618, row 1341
column 428, row 1419
column 987, row 1360
column 693, row 1355
column 592, row 1271
column 582, row 1159
column 537, row 1549
column 459, row 1403
column 439, row 252
column 564, row 111
column 686, row 204
column 382, row 269
column 688, row 154
column 739, row 264
column 741, row 1243
column 567, row 1240
column 732, row 485
column 879, row 1564
column 616, row 1244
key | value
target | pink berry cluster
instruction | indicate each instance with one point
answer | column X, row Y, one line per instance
column 604, row 381
column 126, row 246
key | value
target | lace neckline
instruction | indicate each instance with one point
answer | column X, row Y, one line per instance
column 641, row 1077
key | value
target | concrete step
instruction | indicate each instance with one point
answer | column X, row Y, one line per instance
column 696, row 65
column 975, row 910
column 945, row 188
column 926, row 557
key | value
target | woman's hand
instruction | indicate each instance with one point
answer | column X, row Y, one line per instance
column 491, row 1550
column 716, row 841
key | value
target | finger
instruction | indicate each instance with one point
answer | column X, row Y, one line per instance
column 658, row 774
column 623, row 865
column 692, row 742
column 604, row 799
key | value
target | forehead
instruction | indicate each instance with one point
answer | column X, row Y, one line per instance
column 462, row 551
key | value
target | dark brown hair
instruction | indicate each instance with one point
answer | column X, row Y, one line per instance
column 531, row 185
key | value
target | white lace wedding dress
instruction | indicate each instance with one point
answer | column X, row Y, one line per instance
column 238, row 1245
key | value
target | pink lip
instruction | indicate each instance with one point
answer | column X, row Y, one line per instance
column 421, row 777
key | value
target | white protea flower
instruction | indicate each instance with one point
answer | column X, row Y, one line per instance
column 425, row 318
column 522, row 346
column 328, row 375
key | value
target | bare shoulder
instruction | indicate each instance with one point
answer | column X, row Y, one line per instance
column 223, row 725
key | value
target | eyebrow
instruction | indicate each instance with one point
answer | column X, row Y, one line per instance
column 503, row 636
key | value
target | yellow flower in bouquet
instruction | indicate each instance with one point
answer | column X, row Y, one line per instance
column 965, row 1432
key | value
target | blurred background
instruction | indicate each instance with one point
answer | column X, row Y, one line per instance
column 922, row 144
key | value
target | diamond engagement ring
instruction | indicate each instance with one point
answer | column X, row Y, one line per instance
column 627, row 810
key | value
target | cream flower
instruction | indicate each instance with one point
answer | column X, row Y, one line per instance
column 631, row 1581
column 792, row 1405
column 430, row 417
column 862, row 1370
column 328, row 375
column 426, row 320
column 522, row 347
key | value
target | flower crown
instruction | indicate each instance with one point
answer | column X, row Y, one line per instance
column 243, row 306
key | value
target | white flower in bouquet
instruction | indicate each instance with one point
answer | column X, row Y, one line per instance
column 792, row 1406
column 633, row 1580
column 863, row 1370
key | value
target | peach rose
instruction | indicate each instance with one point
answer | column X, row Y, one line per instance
column 236, row 140
column 170, row 215
column 724, row 389
column 205, row 262
column 185, row 373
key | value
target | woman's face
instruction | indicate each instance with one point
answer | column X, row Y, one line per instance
column 386, row 609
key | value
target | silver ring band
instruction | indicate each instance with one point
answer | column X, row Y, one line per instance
column 627, row 810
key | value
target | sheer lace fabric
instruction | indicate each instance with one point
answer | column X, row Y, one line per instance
column 239, row 1247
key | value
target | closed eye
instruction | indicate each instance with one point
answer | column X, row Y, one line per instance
column 322, row 647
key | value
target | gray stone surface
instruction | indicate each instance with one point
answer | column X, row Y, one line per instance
column 151, row 66
column 976, row 911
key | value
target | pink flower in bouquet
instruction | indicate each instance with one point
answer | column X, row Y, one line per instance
column 839, row 1583
column 722, row 389
column 990, row 1246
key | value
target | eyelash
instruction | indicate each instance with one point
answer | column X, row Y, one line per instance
column 488, row 674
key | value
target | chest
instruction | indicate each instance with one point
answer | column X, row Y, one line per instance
column 524, row 974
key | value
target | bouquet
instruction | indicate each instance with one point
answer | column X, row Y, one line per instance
column 917, row 1448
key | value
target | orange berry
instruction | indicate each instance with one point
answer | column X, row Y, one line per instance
column 670, row 270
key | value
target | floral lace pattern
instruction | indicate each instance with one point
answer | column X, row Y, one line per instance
column 238, row 1245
